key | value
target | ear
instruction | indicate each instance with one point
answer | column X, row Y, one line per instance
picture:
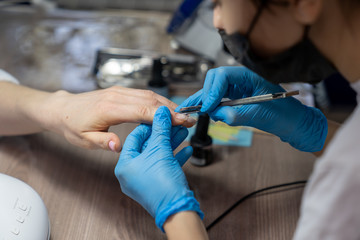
column 306, row 11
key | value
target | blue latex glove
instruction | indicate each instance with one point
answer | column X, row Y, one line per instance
column 303, row 127
column 149, row 172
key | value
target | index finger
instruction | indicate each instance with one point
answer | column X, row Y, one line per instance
column 137, row 113
column 147, row 94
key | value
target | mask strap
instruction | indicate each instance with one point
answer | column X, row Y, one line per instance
column 255, row 19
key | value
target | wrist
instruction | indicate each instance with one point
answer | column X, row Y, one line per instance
column 311, row 131
column 185, row 225
column 31, row 106
column 46, row 109
column 185, row 203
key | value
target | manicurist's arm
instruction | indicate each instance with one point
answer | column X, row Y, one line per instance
column 332, row 129
column 185, row 225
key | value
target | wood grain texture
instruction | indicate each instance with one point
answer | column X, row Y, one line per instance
column 84, row 199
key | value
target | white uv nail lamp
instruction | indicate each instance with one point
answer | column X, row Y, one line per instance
column 23, row 214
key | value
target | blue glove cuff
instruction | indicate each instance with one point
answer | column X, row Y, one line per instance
column 187, row 203
column 311, row 133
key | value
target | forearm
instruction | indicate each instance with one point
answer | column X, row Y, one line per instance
column 22, row 109
column 332, row 129
column 185, row 225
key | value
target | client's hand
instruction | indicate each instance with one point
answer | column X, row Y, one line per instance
column 84, row 119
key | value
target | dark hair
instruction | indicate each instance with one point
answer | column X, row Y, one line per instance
column 266, row 3
column 349, row 7
column 349, row 3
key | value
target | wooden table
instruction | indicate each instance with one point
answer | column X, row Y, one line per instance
column 78, row 186
column 84, row 200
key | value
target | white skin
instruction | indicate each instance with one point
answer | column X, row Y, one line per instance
column 334, row 31
column 83, row 119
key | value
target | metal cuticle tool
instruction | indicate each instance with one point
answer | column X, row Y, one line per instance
column 244, row 101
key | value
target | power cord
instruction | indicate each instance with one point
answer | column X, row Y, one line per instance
column 9, row 3
column 218, row 219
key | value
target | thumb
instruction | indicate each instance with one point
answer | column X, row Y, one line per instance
column 193, row 100
column 105, row 140
column 161, row 128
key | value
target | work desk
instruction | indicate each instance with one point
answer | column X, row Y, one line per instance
column 84, row 199
column 78, row 186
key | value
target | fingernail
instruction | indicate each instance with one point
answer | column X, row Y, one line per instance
column 112, row 146
column 181, row 116
column 192, row 120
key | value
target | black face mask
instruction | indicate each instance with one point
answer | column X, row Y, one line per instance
column 301, row 63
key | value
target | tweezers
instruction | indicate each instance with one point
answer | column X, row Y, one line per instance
column 243, row 101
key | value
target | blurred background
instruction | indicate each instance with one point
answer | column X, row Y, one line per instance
column 164, row 45
column 162, row 5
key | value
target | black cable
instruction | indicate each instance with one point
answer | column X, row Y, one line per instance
column 10, row 3
column 218, row 219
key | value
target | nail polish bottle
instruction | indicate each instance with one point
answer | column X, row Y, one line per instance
column 157, row 83
column 201, row 142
